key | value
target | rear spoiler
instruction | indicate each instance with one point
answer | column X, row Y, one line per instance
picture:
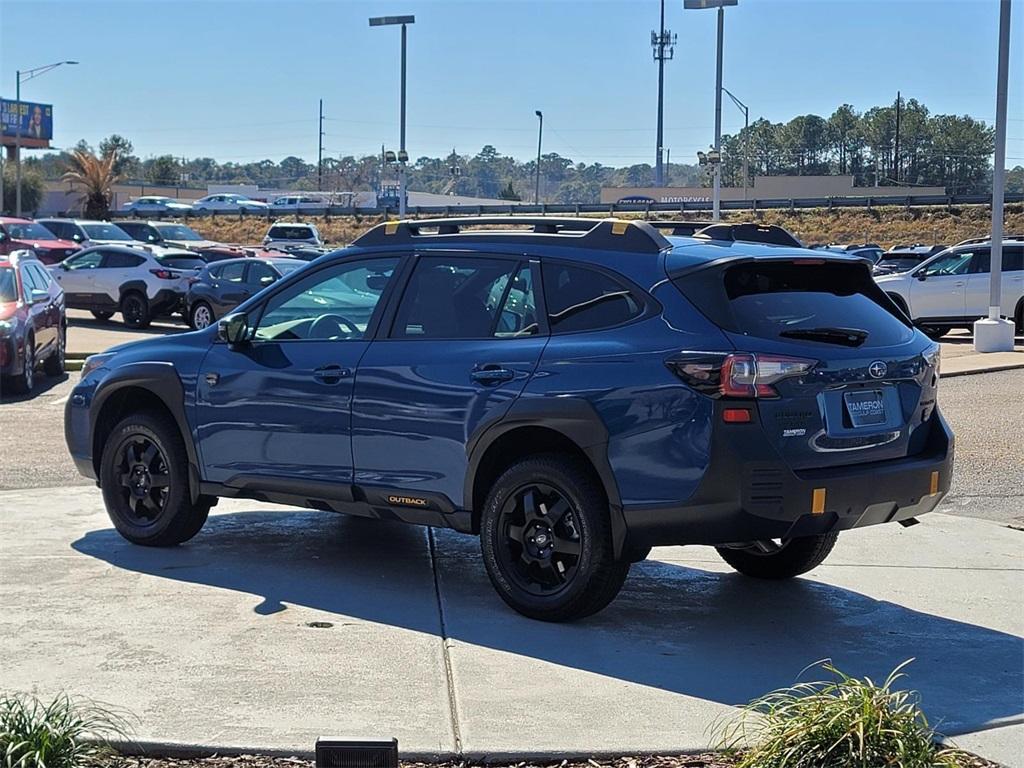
column 747, row 232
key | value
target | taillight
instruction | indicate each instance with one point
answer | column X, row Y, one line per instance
column 740, row 374
column 164, row 274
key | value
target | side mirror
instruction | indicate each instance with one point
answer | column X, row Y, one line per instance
column 36, row 296
column 234, row 329
column 76, row 237
column 921, row 276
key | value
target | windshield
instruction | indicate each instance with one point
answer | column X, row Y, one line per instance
column 287, row 267
column 177, row 232
column 8, row 288
column 105, row 232
column 29, row 231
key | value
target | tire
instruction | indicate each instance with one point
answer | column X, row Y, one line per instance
column 23, row 383
column 552, row 572
column 54, row 365
column 144, row 479
column 101, row 314
column 934, row 332
column 1018, row 319
column 135, row 310
column 201, row 311
column 790, row 558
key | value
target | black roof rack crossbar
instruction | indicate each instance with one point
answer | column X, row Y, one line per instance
column 595, row 234
column 746, row 232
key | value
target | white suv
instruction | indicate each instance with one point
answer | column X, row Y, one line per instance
column 951, row 289
column 288, row 234
column 140, row 283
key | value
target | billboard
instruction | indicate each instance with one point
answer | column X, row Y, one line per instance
column 34, row 122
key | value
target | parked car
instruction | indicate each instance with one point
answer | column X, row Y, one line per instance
column 229, row 204
column 153, row 204
column 289, row 234
column 19, row 234
column 140, row 283
column 88, row 233
column 296, row 203
column 33, row 327
column 573, row 395
column 222, row 286
column 172, row 235
column 951, row 290
column 900, row 258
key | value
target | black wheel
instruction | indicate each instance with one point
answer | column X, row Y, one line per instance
column 202, row 316
column 135, row 310
column 934, row 332
column 144, row 477
column 779, row 558
column 546, row 540
column 54, row 365
column 22, row 383
column 102, row 314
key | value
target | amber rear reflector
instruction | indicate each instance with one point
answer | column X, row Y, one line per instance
column 935, row 483
column 736, row 416
column 818, row 502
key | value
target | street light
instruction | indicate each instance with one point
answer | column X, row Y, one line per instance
column 28, row 74
column 693, row 5
column 540, row 135
column 746, row 137
column 403, row 21
column 995, row 334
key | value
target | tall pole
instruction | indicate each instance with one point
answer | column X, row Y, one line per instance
column 401, row 140
column 17, row 147
column 718, row 117
column 659, row 54
column 746, row 136
column 320, row 151
column 896, row 158
column 540, row 135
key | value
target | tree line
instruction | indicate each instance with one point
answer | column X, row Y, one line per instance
column 954, row 151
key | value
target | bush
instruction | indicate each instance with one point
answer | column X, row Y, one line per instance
column 62, row 734
column 840, row 723
column 33, row 188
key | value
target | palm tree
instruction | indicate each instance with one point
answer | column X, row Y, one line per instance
column 96, row 176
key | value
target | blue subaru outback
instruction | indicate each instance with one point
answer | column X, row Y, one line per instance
column 572, row 391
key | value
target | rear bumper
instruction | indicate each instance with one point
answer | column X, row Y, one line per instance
column 745, row 497
column 166, row 302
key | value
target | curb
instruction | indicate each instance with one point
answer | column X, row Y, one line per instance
column 988, row 369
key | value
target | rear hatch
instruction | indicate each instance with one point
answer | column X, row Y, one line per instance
column 837, row 374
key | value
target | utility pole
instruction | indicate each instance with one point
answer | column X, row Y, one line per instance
column 663, row 43
column 320, row 151
column 403, row 156
column 896, row 159
column 540, row 135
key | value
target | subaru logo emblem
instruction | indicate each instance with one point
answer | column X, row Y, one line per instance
column 878, row 369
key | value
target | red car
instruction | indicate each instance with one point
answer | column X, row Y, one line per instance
column 33, row 326
column 19, row 234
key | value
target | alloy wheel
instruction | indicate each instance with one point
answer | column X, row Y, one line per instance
column 132, row 310
column 201, row 317
column 541, row 541
column 143, row 479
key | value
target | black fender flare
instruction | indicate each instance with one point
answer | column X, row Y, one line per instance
column 162, row 380
column 572, row 417
column 139, row 286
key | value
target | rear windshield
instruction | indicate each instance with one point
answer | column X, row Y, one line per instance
column 177, row 232
column 181, row 262
column 8, row 288
column 290, row 233
column 831, row 303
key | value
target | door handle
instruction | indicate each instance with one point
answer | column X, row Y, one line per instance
column 492, row 374
column 330, row 374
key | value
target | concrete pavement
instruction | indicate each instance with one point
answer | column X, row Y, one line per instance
column 276, row 626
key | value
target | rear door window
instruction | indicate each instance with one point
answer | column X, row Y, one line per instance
column 1013, row 260
column 116, row 260
column 583, row 299
column 232, row 273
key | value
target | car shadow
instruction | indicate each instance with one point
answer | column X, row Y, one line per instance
column 706, row 634
column 43, row 384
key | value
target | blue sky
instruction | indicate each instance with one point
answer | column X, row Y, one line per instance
column 240, row 80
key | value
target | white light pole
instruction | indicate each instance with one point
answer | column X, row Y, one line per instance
column 994, row 334
column 720, row 5
column 383, row 21
column 27, row 74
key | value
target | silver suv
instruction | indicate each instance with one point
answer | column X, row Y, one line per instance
column 140, row 283
column 289, row 234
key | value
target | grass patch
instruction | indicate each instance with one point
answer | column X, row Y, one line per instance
column 844, row 722
column 65, row 733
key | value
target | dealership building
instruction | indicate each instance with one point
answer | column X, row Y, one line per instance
column 763, row 188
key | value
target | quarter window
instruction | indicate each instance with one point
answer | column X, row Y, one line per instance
column 581, row 299
column 336, row 303
column 1013, row 260
column 232, row 273
column 465, row 298
column 114, row 260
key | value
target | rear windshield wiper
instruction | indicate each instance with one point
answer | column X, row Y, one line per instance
column 848, row 337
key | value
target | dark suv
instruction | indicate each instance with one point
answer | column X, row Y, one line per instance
column 572, row 391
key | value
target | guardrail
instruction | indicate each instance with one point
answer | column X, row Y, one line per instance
column 610, row 209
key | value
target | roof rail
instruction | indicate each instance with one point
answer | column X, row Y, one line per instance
column 750, row 232
column 681, row 228
column 595, row 234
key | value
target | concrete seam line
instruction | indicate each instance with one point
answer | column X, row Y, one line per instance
column 445, row 647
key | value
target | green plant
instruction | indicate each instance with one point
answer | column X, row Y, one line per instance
column 95, row 177
column 65, row 733
column 844, row 722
